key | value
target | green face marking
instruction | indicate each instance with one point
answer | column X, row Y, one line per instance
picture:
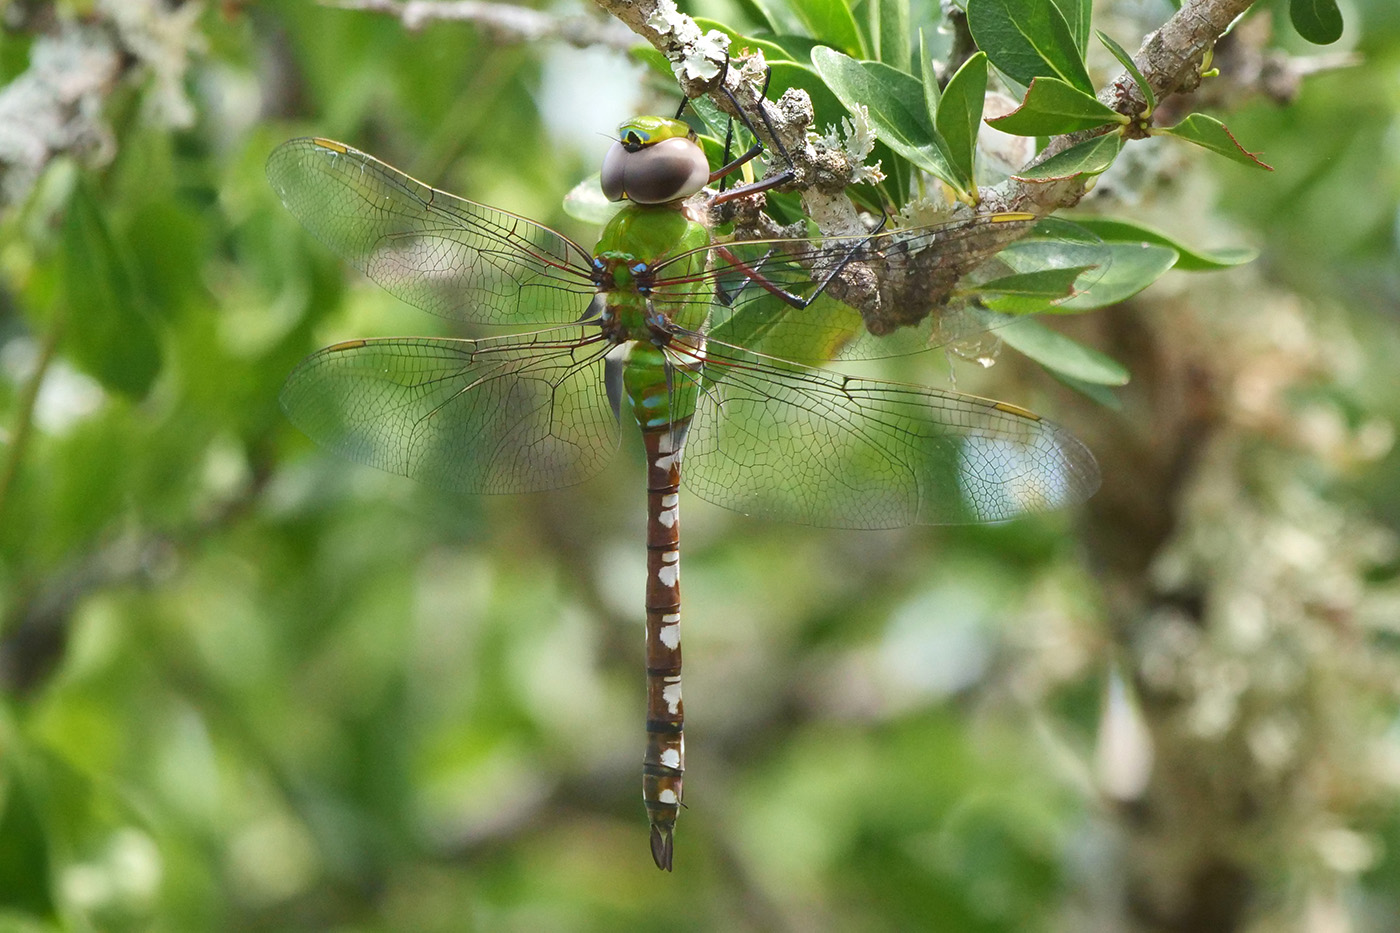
column 646, row 131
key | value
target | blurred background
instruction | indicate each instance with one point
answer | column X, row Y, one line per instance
column 247, row 685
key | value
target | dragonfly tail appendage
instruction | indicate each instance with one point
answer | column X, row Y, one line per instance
column 664, row 764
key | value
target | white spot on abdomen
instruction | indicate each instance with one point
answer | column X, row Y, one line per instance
column 667, row 796
column 671, row 758
column 671, row 636
column 671, row 693
column 669, row 574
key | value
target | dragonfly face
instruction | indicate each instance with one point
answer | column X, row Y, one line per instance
column 654, row 161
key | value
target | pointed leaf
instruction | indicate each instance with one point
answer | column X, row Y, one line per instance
column 1076, row 14
column 960, row 115
column 1189, row 260
column 109, row 333
column 932, row 92
column 1058, row 352
column 1028, row 39
column 1210, row 133
column 1131, row 67
column 889, row 24
column 1030, row 292
column 1052, row 107
column 831, row 22
column 1087, row 158
column 1131, row 268
column 895, row 102
column 1318, row 21
column 1103, row 395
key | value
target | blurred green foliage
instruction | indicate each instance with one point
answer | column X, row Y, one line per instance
column 248, row 686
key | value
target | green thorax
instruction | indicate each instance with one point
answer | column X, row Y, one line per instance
column 634, row 242
column 645, row 235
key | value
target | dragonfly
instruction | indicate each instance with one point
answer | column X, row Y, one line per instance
column 713, row 343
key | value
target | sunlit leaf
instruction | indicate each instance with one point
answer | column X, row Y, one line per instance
column 1087, row 158
column 1131, row 67
column 1210, row 133
column 831, row 22
column 1189, row 259
column 1052, row 107
column 896, row 105
column 960, row 115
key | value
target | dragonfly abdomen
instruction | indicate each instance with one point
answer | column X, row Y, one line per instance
column 663, row 766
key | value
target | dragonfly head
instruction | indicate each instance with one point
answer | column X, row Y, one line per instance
column 654, row 161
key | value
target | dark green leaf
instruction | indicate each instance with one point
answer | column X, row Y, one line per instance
column 1131, row 67
column 1058, row 352
column 895, row 102
column 1077, row 14
column 1318, row 21
column 26, row 882
column 1210, row 133
column 932, row 92
column 1087, row 158
column 960, row 116
column 108, row 331
column 889, row 24
column 1028, row 39
column 1189, row 260
column 1130, row 268
column 830, row 22
column 1030, row 292
column 1052, row 107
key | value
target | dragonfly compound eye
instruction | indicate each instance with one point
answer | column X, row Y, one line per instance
column 655, row 174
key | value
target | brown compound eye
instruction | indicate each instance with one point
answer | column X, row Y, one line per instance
column 655, row 173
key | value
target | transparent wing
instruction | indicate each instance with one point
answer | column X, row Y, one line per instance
column 783, row 441
column 933, row 281
column 449, row 256
column 512, row 414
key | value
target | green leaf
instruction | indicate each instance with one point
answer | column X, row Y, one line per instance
column 738, row 42
column 1028, row 39
column 932, row 92
column 1131, row 67
column 889, row 24
column 1087, row 158
column 1189, row 260
column 1103, row 395
column 1210, row 133
column 830, row 22
column 108, row 331
column 1030, row 292
column 895, row 102
column 1055, row 351
column 1077, row 14
column 960, row 115
column 585, row 202
column 1318, row 21
column 1052, row 107
column 1130, row 268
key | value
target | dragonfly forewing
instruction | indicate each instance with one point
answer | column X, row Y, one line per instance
column 500, row 415
column 787, row 442
column 449, row 256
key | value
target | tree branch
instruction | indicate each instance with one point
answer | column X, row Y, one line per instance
column 505, row 21
column 1169, row 58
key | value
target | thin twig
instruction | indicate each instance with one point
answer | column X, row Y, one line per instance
column 505, row 21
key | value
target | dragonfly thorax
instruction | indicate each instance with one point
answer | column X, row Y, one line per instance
column 654, row 161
